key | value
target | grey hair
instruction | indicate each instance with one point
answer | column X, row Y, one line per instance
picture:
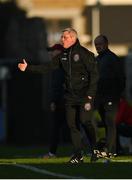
column 71, row 31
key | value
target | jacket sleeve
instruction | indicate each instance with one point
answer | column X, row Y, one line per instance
column 46, row 67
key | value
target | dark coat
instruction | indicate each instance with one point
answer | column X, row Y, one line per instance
column 80, row 72
column 112, row 79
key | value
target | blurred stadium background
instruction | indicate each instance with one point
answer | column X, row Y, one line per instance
column 27, row 28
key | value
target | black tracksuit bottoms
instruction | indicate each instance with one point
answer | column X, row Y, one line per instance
column 85, row 118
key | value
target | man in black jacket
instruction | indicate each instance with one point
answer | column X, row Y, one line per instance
column 81, row 75
column 110, row 87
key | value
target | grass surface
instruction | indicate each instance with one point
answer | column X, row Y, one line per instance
column 26, row 163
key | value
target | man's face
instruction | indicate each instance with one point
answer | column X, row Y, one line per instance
column 67, row 39
column 100, row 45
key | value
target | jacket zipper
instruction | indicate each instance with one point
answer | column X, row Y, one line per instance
column 70, row 71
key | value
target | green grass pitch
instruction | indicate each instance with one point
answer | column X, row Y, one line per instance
column 27, row 163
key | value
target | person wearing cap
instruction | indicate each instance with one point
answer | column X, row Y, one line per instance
column 81, row 76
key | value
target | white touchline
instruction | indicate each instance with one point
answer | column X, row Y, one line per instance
column 121, row 160
column 43, row 171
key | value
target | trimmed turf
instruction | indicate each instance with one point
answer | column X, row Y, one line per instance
column 119, row 167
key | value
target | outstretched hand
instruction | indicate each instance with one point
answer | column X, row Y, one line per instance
column 22, row 66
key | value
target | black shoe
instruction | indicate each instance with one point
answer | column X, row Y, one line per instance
column 103, row 154
column 106, row 155
column 95, row 156
column 76, row 159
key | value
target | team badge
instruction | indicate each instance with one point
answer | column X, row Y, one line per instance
column 76, row 57
column 109, row 103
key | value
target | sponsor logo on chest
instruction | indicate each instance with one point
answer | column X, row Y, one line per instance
column 64, row 57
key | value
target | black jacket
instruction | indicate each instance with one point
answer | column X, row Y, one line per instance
column 80, row 71
column 112, row 79
column 57, row 87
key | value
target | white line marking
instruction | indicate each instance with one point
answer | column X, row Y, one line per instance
column 121, row 160
column 43, row 171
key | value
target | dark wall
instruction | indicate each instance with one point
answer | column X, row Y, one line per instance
column 27, row 119
column 23, row 37
column 26, row 96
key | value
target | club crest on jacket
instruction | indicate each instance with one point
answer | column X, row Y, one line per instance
column 76, row 57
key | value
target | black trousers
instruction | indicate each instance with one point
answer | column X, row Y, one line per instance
column 85, row 118
column 107, row 111
column 123, row 130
